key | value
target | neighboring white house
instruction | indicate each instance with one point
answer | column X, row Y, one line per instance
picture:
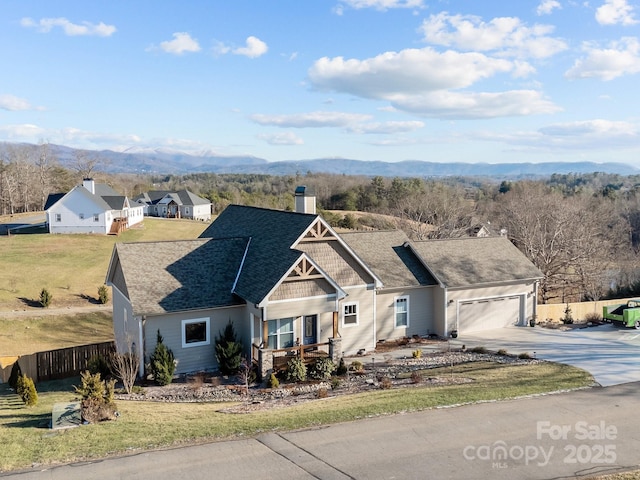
column 178, row 204
column 91, row 208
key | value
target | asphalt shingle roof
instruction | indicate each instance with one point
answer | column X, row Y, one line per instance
column 272, row 233
column 464, row 262
column 181, row 275
column 385, row 254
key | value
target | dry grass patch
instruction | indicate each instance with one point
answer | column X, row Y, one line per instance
column 22, row 336
column 71, row 267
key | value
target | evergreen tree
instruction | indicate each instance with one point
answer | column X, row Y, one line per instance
column 163, row 363
column 228, row 351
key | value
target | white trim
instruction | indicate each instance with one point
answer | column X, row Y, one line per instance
column 367, row 286
column 297, row 299
column 207, row 340
column 357, row 313
column 395, row 311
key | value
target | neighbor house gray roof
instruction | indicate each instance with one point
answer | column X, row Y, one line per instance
column 271, row 234
column 464, row 262
column 181, row 197
column 173, row 276
column 384, row 252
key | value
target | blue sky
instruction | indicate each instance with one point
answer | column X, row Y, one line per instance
column 450, row 80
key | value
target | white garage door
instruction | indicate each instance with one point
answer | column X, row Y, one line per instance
column 485, row 314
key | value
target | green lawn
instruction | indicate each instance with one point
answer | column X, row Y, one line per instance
column 71, row 267
column 26, row 440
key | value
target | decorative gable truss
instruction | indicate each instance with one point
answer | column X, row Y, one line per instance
column 304, row 270
column 318, row 232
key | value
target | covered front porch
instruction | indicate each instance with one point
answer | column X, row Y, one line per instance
column 294, row 337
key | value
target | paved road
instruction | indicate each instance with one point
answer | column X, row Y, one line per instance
column 554, row 436
column 609, row 353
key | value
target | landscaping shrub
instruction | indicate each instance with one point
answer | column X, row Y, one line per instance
column 45, row 298
column 322, row 369
column 273, row 381
column 356, row 366
column 593, row 317
column 567, row 319
column 228, row 350
column 416, row 377
column 103, row 294
column 26, row 389
column 335, row 383
column 385, row 383
column 16, row 372
column 296, row 370
column 99, row 364
column 163, row 363
column 502, row 352
column 478, row 350
column 342, row 368
column 97, row 397
column 524, row 356
column 417, row 353
column 322, row 392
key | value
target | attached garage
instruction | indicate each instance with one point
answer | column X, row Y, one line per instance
column 489, row 313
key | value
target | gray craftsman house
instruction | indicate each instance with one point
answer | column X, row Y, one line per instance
column 292, row 286
column 178, row 204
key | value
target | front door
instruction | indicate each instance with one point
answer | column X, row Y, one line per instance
column 310, row 327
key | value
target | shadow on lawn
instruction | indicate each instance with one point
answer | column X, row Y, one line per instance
column 30, row 302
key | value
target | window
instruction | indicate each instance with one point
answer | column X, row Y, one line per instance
column 195, row 333
column 81, row 215
column 350, row 314
column 186, row 210
column 58, row 217
column 96, row 217
column 402, row 311
column 280, row 333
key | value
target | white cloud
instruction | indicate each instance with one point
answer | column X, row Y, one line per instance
column 547, row 6
column 182, row 42
column 286, row 138
column 507, row 36
column 381, row 5
column 614, row 12
column 254, row 48
column 45, row 25
column 312, row 119
column 385, row 128
column 407, row 71
column 621, row 58
column 14, row 104
column 470, row 105
column 26, row 132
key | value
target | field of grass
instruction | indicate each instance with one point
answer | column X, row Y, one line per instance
column 27, row 440
column 71, row 267
column 39, row 333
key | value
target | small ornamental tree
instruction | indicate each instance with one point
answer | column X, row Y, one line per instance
column 97, row 397
column 45, row 298
column 103, row 294
column 228, row 350
column 163, row 363
column 26, row 389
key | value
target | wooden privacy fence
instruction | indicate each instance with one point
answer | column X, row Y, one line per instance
column 56, row 364
column 555, row 311
column 69, row 362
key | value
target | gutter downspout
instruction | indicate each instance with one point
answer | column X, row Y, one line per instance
column 141, row 346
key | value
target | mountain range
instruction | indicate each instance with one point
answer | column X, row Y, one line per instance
column 163, row 161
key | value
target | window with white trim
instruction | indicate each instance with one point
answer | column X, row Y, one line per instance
column 280, row 333
column 58, row 217
column 401, row 311
column 349, row 314
column 81, row 215
column 196, row 332
column 96, row 217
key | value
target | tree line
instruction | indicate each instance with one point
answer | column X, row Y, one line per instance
column 581, row 230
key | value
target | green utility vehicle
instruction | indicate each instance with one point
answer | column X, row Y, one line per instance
column 625, row 315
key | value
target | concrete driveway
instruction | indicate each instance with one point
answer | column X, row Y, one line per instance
column 610, row 354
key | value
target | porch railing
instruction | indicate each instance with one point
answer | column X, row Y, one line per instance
column 307, row 353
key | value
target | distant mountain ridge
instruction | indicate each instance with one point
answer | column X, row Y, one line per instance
column 166, row 161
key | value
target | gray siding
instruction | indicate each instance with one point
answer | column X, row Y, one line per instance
column 421, row 315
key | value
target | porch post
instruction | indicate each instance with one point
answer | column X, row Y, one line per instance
column 335, row 324
column 265, row 333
